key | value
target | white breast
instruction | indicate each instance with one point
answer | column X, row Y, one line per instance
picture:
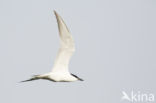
column 59, row 76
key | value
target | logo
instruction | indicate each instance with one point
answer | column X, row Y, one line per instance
column 137, row 97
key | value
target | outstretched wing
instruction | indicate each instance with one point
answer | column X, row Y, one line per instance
column 66, row 49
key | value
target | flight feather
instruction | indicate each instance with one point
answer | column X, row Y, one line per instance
column 67, row 47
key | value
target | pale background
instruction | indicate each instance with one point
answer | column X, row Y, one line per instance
column 115, row 43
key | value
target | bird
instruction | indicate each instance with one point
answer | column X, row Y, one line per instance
column 60, row 71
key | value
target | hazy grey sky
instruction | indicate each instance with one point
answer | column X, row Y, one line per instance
column 115, row 49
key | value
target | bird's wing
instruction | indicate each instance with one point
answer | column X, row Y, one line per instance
column 66, row 49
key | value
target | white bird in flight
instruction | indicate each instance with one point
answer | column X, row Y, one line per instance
column 60, row 72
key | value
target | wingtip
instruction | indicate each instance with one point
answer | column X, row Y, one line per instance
column 21, row 81
column 80, row 79
column 55, row 12
column 24, row 81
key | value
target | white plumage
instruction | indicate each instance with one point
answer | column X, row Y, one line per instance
column 60, row 72
column 66, row 49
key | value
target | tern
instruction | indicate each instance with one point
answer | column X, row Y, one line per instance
column 60, row 72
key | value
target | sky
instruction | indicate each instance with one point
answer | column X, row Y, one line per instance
column 115, row 49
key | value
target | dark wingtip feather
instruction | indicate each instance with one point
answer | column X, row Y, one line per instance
column 80, row 79
column 26, row 80
column 77, row 77
column 31, row 79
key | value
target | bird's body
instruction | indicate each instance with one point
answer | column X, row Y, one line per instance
column 60, row 72
column 57, row 77
column 62, row 77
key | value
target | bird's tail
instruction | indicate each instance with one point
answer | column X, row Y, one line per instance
column 35, row 77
